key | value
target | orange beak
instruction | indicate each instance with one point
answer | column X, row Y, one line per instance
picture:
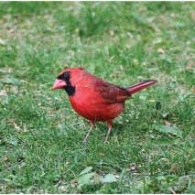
column 59, row 84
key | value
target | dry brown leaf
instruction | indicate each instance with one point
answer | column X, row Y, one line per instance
column 161, row 51
column 190, row 65
column 74, row 183
column 2, row 42
column 111, row 33
column 13, row 123
column 193, row 15
column 5, row 158
column 3, row 93
column 167, row 123
column 6, row 70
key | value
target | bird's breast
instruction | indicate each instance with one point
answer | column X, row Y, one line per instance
column 89, row 104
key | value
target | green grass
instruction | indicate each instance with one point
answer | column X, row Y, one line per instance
column 151, row 149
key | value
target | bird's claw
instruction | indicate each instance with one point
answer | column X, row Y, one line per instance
column 85, row 142
column 106, row 141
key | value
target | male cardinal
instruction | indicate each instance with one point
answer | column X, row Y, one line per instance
column 94, row 98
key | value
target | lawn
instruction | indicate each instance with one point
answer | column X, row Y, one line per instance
column 152, row 145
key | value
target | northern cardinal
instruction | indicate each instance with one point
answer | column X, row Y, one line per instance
column 94, row 98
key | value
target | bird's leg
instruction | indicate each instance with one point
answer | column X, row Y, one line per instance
column 109, row 130
column 92, row 126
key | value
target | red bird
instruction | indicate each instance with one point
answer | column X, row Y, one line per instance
column 94, row 98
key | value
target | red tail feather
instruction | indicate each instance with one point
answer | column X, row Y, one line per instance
column 140, row 86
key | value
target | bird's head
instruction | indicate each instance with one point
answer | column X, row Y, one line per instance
column 68, row 79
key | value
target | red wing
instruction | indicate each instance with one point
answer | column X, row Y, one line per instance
column 112, row 93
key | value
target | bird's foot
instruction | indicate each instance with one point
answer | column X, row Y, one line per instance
column 85, row 142
column 106, row 141
column 87, row 136
column 109, row 131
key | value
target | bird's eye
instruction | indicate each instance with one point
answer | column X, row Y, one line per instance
column 66, row 75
